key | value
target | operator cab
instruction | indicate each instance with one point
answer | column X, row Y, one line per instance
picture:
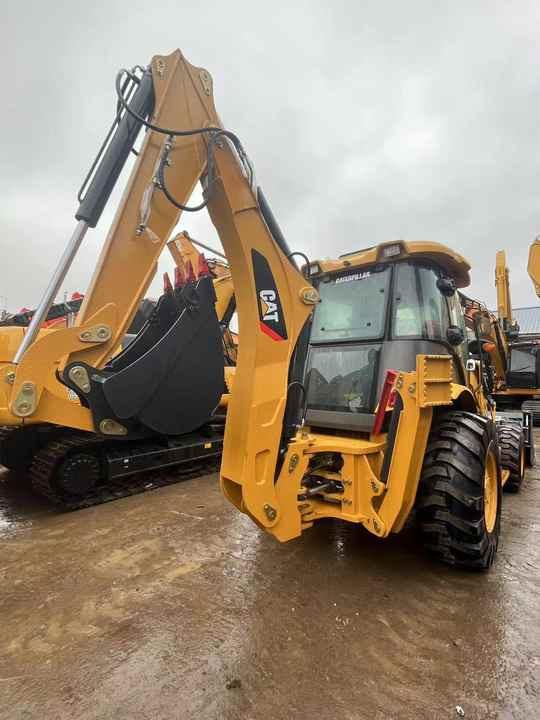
column 379, row 309
column 524, row 365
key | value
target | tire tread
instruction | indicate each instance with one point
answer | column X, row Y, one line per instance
column 450, row 502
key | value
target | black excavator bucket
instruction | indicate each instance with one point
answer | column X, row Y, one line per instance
column 170, row 379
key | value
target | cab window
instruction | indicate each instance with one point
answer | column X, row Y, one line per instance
column 523, row 360
column 419, row 308
column 352, row 307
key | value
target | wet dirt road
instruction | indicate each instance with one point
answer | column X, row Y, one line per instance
column 171, row 605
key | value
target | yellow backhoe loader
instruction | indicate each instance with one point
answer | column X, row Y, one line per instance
column 353, row 394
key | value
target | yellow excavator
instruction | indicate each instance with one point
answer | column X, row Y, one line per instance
column 18, row 450
column 354, row 394
column 517, row 380
column 491, row 347
column 510, row 365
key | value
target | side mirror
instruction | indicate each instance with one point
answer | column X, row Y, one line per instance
column 455, row 335
column 473, row 348
column 446, row 286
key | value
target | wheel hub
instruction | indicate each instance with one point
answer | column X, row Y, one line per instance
column 79, row 474
column 491, row 491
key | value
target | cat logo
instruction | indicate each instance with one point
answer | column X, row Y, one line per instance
column 271, row 321
column 269, row 308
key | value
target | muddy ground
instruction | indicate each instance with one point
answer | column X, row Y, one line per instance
column 172, row 605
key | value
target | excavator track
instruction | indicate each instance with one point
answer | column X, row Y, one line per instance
column 19, row 443
column 47, row 462
column 7, row 432
column 6, row 435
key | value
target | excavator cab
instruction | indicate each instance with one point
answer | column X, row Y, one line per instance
column 379, row 316
column 523, row 365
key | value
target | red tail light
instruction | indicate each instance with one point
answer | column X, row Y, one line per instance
column 386, row 401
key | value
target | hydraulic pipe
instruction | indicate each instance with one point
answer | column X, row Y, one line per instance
column 207, row 247
column 52, row 290
column 95, row 199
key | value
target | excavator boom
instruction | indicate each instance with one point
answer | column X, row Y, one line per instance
column 502, row 284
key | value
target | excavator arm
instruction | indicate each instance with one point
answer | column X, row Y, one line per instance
column 502, row 284
column 533, row 267
column 184, row 144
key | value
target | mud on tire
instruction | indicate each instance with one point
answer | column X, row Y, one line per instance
column 455, row 523
column 512, row 452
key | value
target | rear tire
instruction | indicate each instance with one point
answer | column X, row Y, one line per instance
column 459, row 497
column 512, row 452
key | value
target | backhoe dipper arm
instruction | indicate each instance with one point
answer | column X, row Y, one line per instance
column 274, row 301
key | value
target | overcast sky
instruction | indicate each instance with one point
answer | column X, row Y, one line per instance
column 366, row 121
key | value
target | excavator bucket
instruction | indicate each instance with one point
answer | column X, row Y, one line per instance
column 170, row 378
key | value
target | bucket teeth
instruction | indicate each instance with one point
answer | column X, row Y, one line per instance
column 203, row 270
column 167, row 286
column 179, row 278
column 190, row 274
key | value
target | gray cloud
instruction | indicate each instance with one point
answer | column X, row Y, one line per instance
column 366, row 121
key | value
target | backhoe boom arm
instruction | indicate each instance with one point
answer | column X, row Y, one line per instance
column 273, row 299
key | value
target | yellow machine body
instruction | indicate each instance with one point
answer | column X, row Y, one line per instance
column 265, row 457
column 382, row 507
column 503, row 331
